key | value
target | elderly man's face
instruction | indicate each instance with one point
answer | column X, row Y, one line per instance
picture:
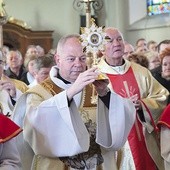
column 166, row 67
column 14, row 60
column 72, row 61
column 114, row 49
column 128, row 50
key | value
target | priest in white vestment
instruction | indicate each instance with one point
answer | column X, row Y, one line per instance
column 63, row 129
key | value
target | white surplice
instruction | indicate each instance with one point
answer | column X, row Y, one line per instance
column 6, row 103
column 54, row 129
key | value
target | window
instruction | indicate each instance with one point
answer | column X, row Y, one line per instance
column 155, row 7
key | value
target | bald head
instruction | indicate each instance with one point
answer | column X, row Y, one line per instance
column 66, row 39
column 112, row 30
column 129, row 49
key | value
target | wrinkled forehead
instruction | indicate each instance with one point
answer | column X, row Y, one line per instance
column 14, row 54
column 32, row 49
column 72, row 47
column 113, row 33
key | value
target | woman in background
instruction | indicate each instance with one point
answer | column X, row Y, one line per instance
column 164, row 122
column 41, row 68
column 164, row 77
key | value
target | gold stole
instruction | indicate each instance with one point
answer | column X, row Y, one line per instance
column 86, row 108
column 48, row 89
column 53, row 89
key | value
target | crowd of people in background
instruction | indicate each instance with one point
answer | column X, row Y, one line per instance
column 155, row 56
column 39, row 87
column 151, row 55
column 17, row 73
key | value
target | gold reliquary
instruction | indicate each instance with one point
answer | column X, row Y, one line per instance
column 93, row 40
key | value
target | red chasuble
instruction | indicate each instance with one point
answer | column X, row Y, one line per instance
column 165, row 118
column 126, row 86
column 8, row 129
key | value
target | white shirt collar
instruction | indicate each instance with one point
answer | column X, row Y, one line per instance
column 61, row 84
column 120, row 69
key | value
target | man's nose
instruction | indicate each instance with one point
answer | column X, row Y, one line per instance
column 116, row 42
column 77, row 61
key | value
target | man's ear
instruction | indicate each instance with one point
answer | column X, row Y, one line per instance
column 57, row 58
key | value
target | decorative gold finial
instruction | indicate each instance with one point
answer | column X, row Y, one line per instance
column 93, row 40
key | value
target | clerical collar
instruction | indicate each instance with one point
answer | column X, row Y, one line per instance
column 120, row 68
column 65, row 81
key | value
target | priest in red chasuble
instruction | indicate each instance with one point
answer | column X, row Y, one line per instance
column 135, row 82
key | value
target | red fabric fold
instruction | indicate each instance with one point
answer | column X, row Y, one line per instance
column 8, row 129
column 126, row 86
column 165, row 118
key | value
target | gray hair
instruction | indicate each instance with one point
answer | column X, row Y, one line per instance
column 63, row 40
column 114, row 29
column 43, row 61
column 14, row 51
column 29, row 58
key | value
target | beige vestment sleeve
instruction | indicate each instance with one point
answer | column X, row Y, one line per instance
column 114, row 125
column 53, row 129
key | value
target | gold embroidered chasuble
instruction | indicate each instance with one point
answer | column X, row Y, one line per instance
column 152, row 94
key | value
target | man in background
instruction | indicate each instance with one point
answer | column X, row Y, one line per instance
column 130, row 80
